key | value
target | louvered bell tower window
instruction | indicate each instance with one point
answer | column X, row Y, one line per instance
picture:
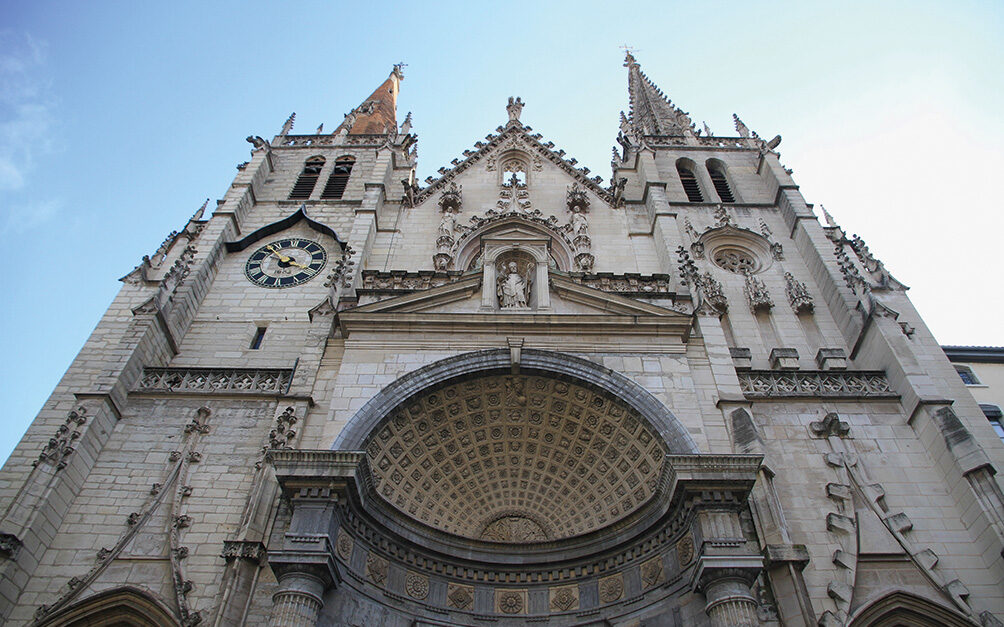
column 689, row 183
column 720, row 182
column 339, row 178
column 308, row 178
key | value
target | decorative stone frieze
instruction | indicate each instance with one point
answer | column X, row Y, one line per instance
column 563, row 598
column 416, row 585
column 459, row 596
column 216, row 380
column 611, row 588
column 809, row 384
column 510, row 601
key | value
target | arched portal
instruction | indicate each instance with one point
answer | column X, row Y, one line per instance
column 119, row 607
column 517, row 485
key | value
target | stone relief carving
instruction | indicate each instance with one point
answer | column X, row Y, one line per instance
column 216, row 380
column 611, row 588
column 416, row 585
column 459, row 597
column 652, row 572
column 564, row 598
column 343, row 546
column 757, row 295
column 376, row 568
column 820, row 384
column 513, row 529
column 685, row 550
column 510, row 601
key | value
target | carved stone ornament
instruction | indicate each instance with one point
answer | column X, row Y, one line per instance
column 757, row 295
column 60, row 446
column 577, row 199
column 343, row 546
column 798, row 294
column 513, row 529
column 459, row 597
column 685, row 550
column 611, row 588
column 514, row 108
column 564, row 598
column 376, row 568
column 417, row 586
column 510, row 601
column 652, row 572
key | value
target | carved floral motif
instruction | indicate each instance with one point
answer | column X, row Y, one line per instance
column 417, row 586
column 611, row 588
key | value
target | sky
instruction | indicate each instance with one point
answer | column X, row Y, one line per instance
column 119, row 119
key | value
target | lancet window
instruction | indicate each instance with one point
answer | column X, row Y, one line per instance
column 305, row 183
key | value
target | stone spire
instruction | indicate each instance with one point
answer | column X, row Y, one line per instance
column 378, row 113
column 652, row 113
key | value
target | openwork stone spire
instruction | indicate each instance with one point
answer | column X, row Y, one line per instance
column 652, row 113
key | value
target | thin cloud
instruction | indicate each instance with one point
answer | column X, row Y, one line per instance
column 26, row 108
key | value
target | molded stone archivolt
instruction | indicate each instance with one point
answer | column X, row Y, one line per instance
column 563, row 456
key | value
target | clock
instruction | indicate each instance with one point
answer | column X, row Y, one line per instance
column 285, row 263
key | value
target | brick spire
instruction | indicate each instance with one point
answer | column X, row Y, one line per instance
column 378, row 113
column 652, row 113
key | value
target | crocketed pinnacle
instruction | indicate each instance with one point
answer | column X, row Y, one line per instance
column 378, row 113
column 652, row 113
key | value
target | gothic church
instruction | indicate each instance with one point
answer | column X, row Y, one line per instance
column 509, row 395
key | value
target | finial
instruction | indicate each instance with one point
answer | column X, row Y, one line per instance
column 707, row 130
column 514, row 108
column 288, row 126
column 741, row 128
column 319, row 129
column 826, row 215
column 200, row 212
column 406, row 125
column 399, row 70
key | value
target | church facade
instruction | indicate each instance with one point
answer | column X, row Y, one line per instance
column 511, row 395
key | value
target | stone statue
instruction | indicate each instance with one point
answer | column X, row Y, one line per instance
column 580, row 226
column 448, row 224
column 513, row 289
column 514, row 108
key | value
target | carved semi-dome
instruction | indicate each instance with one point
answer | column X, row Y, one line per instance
column 515, row 459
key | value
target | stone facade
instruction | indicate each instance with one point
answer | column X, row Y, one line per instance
column 510, row 394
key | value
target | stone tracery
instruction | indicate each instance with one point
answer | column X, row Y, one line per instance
column 509, row 459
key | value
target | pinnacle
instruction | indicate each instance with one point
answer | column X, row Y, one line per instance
column 652, row 113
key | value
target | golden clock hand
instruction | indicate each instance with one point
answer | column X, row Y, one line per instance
column 298, row 265
column 282, row 258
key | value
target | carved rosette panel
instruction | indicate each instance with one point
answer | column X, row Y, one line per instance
column 563, row 598
column 685, row 550
column 416, row 585
column 567, row 459
column 343, row 546
column 510, row 601
column 611, row 588
column 459, row 597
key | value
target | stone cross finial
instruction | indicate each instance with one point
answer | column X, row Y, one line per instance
column 514, row 108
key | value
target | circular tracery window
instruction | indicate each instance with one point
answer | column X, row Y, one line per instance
column 736, row 260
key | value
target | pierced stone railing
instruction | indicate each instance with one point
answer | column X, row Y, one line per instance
column 216, row 380
column 815, row 384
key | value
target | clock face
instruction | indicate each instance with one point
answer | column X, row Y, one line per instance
column 285, row 263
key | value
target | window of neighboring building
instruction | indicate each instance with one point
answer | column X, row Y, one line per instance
column 339, row 178
column 994, row 415
column 308, row 178
column 967, row 375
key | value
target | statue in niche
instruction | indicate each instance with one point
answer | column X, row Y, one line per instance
column 448, row 224
column 513, row 288
column 580, row 226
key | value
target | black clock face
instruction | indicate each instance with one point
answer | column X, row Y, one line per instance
column 285, row 263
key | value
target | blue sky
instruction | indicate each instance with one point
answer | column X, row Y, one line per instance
column 117, row 120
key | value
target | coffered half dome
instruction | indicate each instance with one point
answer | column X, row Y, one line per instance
column 504, row 458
